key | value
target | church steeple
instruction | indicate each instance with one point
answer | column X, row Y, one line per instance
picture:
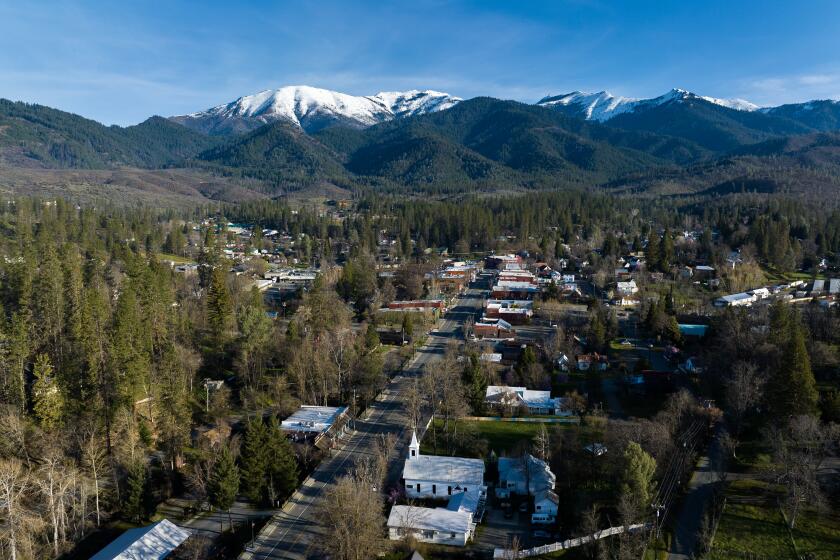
column 413, row 447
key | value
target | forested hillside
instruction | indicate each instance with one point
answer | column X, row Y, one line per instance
column 34, row 135
column 480, row 145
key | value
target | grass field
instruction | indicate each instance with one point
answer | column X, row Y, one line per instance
column 752, row 524
column 502, row 437
column 174, row 258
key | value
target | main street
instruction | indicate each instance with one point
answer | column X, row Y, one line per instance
column 295, row 532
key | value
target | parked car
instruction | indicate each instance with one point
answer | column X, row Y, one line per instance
column 509, row 513
column 523, row 507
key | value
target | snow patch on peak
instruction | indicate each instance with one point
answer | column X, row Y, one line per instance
column 603, row 105
column 737, row 104
column 311, row 107
column 415, row 102
column 600, row 106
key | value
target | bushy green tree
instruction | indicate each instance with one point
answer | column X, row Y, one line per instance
column 637, row 477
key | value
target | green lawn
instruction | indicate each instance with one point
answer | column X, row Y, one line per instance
column 502, row 437
column 752, row 523
column 174, row 258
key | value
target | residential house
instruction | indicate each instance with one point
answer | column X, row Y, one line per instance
column 594, row 362
column 537, row 402
column 563, row 362
column 529, row 476
column 704, row 271
column 626, row 288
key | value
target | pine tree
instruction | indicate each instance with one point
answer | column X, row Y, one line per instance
column 475, row 383
column 283, row 469
column 129, row 356
column 255, row 455
column 134, row 492
column 652, row 253
column 47, row 400
column 793, row 388
column 666, row 251
column 224, row 483
column 407, row 326
column 219, row 307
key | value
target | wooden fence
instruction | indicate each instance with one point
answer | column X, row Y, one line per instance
column 506, row 554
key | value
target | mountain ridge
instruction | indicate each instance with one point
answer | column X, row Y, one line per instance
column 313, row 108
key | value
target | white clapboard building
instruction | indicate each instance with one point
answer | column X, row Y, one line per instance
column 457, row 480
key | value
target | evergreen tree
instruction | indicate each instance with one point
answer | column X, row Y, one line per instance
column 223, row 484
column 407, row 326
column 475, row 383
column 597, row 330
column 134, row 492
column 283, row 469
column 219, row 307
column 255, row 456
column 666, row 251
column 129, row 356
column 653, row 254
column 255, row 338
column 793, row 390
column 371, row 337
column 47, row 400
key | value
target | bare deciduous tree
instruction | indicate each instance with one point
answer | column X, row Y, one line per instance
column 13, row 487
column 353, row 514
column 799, row 450
column 542, row 444
column 744, row 391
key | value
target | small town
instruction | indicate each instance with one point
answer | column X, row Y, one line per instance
column 503, row 405
column 428, row 280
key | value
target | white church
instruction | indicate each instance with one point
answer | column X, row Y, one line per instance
column 457, row 480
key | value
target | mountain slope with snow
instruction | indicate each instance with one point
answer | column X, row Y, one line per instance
column 603, row 106
column 313, row 109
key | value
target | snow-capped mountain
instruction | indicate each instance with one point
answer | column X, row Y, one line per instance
column 313, row 109
column 603, row 106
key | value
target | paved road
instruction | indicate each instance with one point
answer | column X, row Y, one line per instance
column 295, row 532
column 686, row 523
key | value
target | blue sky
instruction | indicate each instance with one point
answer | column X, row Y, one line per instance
column 120, row 62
